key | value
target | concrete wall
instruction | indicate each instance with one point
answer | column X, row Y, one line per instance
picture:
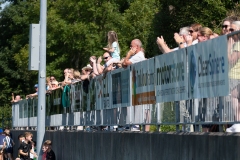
column 69, row 145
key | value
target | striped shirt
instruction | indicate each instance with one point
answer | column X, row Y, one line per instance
column 8, row 142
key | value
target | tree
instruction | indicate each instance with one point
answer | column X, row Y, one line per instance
column 177, row 14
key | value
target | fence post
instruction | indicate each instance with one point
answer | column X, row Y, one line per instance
column 177, row 114
column 221, row 112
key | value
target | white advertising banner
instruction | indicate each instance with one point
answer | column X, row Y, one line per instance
column 208, row 69
column 171, row 76
column 143, row 90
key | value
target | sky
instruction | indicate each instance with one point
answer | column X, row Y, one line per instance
column 4, row 4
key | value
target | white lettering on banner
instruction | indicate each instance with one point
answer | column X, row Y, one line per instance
column 57, row 101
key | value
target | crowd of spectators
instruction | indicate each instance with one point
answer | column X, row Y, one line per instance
column 111, row 58
column 187, row 36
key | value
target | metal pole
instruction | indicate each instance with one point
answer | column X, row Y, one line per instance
column 42, row 79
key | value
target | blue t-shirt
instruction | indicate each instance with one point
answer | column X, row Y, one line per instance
column 116, row 53
column 2, row 139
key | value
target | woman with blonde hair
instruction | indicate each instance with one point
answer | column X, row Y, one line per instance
column 204, row 34
column 76, row 76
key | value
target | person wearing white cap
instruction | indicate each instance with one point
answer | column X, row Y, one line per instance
column 86, row 71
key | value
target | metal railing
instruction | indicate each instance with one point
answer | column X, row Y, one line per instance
column 196, row 85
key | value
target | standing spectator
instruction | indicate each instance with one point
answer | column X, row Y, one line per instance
column 86, row 72
column 48, row 84
column 26, row 146
column 76, row 76
column 193, row 31
column 44, row 150
column 33, row 150
column 16, row 99
column 33, row 94
column 52, row 78
column 92, row 61
column 180, row 39
column 2, row 136
column 48, row 153
column 54, row 85
column 113, row 48
column 21, row 139
column 106, row 57
column 234, row 76
column 226, row 24
column 8, row 145
column 135, row 54
column 204, row 34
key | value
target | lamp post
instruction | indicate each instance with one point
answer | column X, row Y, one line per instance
column 41, row 79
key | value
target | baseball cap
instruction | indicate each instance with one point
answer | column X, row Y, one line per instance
column 36, row 86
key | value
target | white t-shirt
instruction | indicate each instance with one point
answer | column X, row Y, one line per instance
column 137, row 57
column 195, row 42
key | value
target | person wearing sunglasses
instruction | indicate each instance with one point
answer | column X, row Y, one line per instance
column 193, row 31
column 52, row 78
column 135, row 54
column 226, row 24
column 107, row 58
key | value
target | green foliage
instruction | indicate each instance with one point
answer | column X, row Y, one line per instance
column 176, row 14
column 6, row 116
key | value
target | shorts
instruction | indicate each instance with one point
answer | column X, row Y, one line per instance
column 9, row 150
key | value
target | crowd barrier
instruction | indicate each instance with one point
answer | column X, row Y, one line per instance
column 194, row 85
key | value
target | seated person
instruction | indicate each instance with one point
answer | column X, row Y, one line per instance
column 16, row 99
column 33, row 94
